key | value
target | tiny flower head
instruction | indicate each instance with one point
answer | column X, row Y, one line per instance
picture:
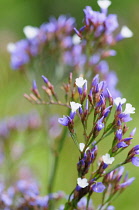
column 74, row 106
column 82, row 182
column 80, row 82
column 133, row 132
column 107, row 159
column 126, row 32
column 127, row 183
column 129, row 109
column 82, row 146
column 76, row 39
column 30, row 32
column 45, row 79
column 104, row 4
column 98, row 187
column 135, row 161
column 11, row 47
column 119, row 100
column 100, row 124
column 65, row 120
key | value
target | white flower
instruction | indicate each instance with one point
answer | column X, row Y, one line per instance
column 11, row 47
column 74, row 106
column 104, row 4
column 76, row 39
column 126, row 32
column 107, row 159
column 30, row 31
column 82, row 182
column 80, row 82
column 119, row 100
column 81, row 147
column 129, row 109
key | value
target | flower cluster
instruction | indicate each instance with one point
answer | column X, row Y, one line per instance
column 19, row 123
column 85, row 51
column 28, row 192
column 93, row 103
column 95, row 110
column 54, row 35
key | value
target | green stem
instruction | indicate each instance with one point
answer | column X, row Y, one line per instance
column 56, row 160
column 55, row 167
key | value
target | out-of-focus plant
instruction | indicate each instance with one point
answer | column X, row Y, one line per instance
column 95, row 110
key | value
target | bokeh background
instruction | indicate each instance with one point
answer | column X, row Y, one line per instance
column 14, row 15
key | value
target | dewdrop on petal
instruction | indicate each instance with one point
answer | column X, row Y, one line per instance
column 107, row 159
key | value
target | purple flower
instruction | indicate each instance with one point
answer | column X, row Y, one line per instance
column 119, row 134
column 100, row 124
column 45, row 79
column 54, row 127
column 6, row 199
column 19, row 59
column 127, row 183
column 94, row 59
column 40, row 201
column 34, row 85
column 65, row 120
column 125, row 117
column 135, row 161
column 106, row 111
column 122, row 144
column 4, row 130
column 133, row 132
column 93, row 17
column 98, row 187
column 111, row 23
column 111, row 208
column 102, row 67
column 83, row 202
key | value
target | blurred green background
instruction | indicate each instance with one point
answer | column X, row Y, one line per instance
column 14, row 15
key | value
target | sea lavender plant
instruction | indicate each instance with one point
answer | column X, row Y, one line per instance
column 95, row 110
column 92, row 107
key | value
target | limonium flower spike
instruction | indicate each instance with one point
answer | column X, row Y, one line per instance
column 82, row 182
column 107, row 159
